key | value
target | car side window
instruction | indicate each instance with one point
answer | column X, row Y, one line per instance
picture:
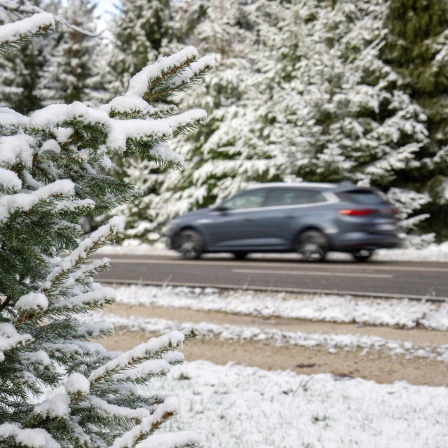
column 285, row 197
column 248, row 199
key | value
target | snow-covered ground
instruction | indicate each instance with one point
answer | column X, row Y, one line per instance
column 434, row 252
column 234, row 406
column 403, row 313
column 242, row 407
column 330, row 342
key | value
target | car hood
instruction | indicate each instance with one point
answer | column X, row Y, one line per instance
column 196, row 214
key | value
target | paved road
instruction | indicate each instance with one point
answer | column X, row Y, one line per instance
column 376, row 279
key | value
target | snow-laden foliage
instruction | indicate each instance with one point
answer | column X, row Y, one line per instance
column 64, row 67
column 227, row 153
column 300, row 94
column 57, row 388
column 140, row 30
column 21, row 69
column 72, row 72
column 332, row 110
column 417, row 49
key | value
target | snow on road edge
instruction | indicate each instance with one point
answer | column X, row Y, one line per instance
column 403, row 313
column 331, row 342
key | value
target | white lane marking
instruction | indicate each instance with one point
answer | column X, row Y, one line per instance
column 362, row 294
column 327, row 274
column 254, row 262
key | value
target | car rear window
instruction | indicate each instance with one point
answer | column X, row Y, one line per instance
column 366, row 197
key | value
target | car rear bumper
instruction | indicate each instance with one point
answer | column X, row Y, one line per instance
column 359, row 240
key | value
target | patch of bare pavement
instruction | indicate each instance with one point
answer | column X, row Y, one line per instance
column 378, row 365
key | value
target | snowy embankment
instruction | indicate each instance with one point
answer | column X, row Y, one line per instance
column 233, row 406
column 232, row 333
column 402, row 313
column 434, row 252
column 244, row 407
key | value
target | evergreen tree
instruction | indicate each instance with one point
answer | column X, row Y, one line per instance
column 21, row 71
column 141, row 30
column 310, row 100
column 225, row 154
column 416, row 48
column 72, row 71
column 58, row 389
column 330, row 105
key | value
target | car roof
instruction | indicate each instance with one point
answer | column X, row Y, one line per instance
column 336, row 187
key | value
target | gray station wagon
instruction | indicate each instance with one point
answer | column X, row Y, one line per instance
column 308, row 218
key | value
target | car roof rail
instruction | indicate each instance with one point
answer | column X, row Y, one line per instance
column 346, row 183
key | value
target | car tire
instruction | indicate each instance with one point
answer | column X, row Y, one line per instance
column 189, row 244
column 362, row 254
column 240, row 255
column 312, row 245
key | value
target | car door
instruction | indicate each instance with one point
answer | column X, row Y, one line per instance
column 234, row 224
column 286, row 211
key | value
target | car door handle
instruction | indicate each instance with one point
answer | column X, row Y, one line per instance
column 289, row 216
column 249, row 219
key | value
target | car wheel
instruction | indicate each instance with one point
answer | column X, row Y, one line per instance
column 312, row 245
column 240, row 255
column 362, row 254
column 190, row 244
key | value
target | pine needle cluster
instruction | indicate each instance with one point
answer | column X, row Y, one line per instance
column 58, row 389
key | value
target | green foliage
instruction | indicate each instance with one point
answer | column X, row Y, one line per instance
column 21, row 65
column 301, row 93
column 73, row 71
column 141, row 28
column 57, row 388
column 416, row 49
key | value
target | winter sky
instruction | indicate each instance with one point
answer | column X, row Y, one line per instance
column 105, row 5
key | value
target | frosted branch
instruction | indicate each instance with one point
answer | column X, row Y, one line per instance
column 32, row 438
column 84, row 250
column 155, row 347
column 27, row 8
column 12, row 34
column 147, row 426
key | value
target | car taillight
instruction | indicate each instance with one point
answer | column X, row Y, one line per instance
column 357, row 212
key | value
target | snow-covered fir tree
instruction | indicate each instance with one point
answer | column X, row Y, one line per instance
column 21, row 71
column 302, row 95
column 141, row 30
column 224, row 154
column 74, row 69
column 417, row 49
column 58, row 389
column 331, row 108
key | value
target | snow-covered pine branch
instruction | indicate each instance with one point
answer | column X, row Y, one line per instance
column 59, row 389
column 25, row 7
column 12, row 35
column 170, row 74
